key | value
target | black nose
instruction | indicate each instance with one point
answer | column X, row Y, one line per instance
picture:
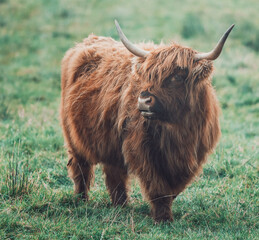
column 145, row 94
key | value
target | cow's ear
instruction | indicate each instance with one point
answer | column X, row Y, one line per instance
column 130, row 46
column 202, row 71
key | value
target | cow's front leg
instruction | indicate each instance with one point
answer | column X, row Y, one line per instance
column 160, row 199
column 161, row 207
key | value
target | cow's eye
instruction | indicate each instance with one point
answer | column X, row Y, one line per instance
column 178, row 78
column 167, row 81
column 180, row 75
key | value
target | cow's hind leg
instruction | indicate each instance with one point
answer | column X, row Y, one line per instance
column 116, row 182
column 81, row 172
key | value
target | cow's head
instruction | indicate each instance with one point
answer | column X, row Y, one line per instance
column 170, row 77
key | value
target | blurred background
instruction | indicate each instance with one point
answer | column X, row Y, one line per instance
column 34, row 36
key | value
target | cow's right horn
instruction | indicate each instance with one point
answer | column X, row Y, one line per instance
column 131, row 47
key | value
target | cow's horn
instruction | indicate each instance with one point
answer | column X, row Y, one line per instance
column 212, row 55
column 131, row 47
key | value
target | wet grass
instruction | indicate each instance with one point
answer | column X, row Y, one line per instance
column 36, row 196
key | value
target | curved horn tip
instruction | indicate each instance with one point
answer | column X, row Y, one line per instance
column 214, row 54
column 225, row 36
column 116, row 22
column 131, row 47
column 233, row 25
column 118, row 28
column 229, row 29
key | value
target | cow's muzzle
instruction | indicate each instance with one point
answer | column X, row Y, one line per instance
column 148, row 105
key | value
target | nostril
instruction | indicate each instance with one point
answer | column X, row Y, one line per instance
column 148, row 100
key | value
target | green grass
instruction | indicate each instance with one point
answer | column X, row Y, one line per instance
column 36, row 196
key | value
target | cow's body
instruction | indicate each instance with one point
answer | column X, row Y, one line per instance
column 101, row 83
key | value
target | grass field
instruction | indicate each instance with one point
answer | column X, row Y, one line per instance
column 36, row 196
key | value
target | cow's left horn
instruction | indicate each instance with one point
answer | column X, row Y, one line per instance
column 212, row 55
column 131, row 47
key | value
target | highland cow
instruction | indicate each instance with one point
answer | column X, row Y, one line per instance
column 144, row 110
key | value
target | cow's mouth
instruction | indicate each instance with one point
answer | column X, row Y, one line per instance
column 148, row 114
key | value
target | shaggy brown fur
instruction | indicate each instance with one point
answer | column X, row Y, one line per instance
column 101, row 83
